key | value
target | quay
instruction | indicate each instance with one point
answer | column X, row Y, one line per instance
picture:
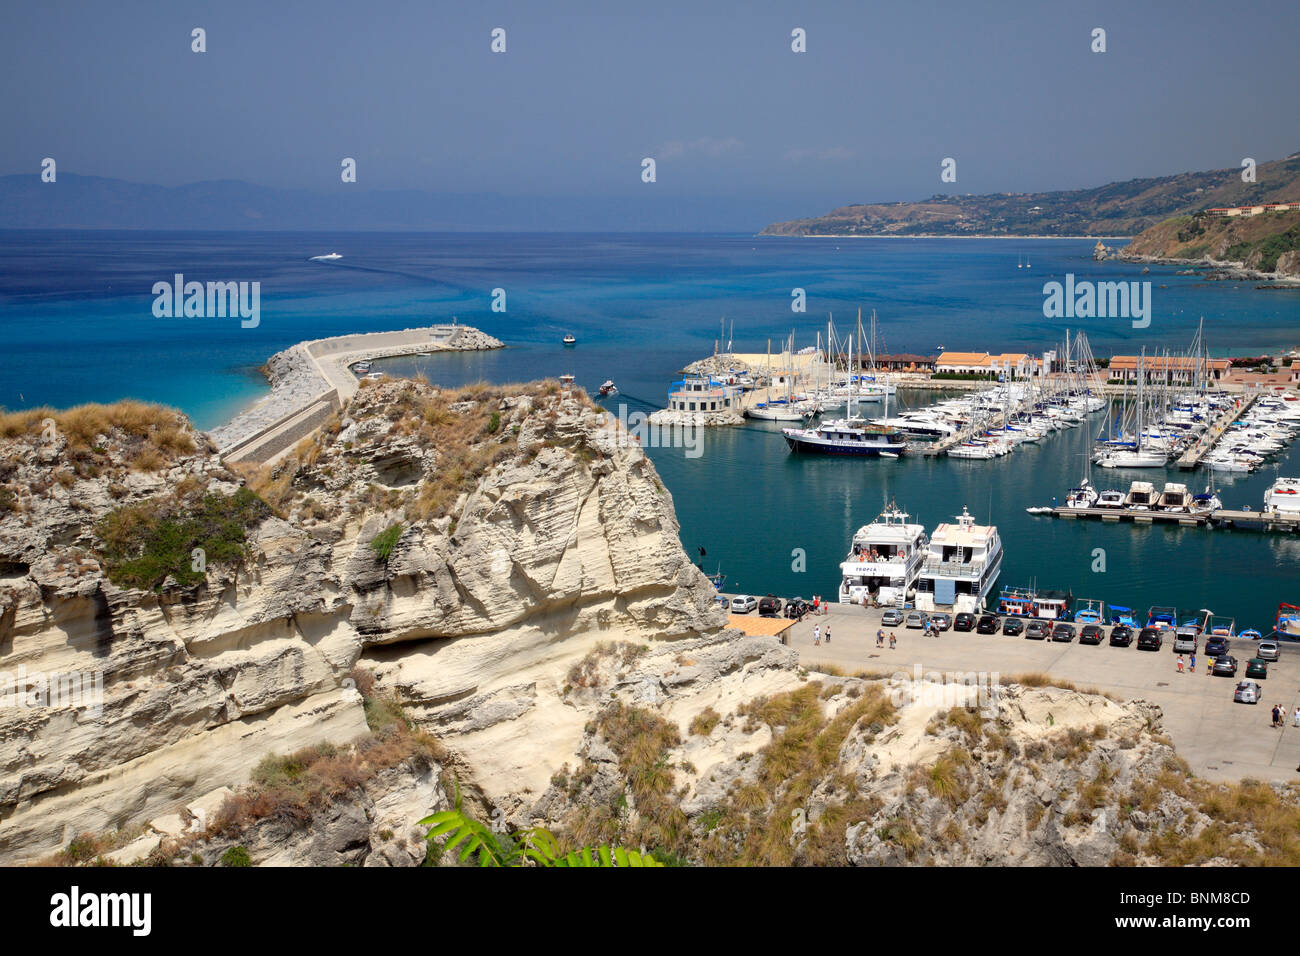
column 313, row 379
column 1192, row 457
column 1222, row 517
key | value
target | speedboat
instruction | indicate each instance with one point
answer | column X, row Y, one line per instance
column 608, row 388
column 569, row 339
column 1283, row 497
column 1110, row 499
column 327, row 258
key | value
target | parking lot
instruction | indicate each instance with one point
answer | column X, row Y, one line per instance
column 1222, row 740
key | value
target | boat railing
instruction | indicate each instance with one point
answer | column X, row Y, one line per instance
column 954, row 568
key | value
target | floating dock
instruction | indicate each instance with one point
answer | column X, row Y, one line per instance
column 1224, row 517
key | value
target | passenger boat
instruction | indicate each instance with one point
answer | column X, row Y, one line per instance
column 569, row 339
column 608, row 388
column 962, row 564
column 854, row 436
column 884, row 560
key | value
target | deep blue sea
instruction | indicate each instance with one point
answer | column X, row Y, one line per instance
column 77, row 324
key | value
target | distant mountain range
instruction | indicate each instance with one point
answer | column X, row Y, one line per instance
column 1118, row 209
column 95, row 202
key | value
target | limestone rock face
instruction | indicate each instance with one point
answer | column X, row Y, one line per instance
column 567, row 535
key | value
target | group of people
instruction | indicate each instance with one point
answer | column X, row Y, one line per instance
column 1193, row 662
column 880, row 639
column 818, row 636
column 1279, row 716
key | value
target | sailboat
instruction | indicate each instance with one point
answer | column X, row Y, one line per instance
column 1019, row 264
column 1139, row 453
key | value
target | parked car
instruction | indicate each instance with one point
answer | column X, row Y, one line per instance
column 1225, row 666
column 1151, row 639
column 1037, row 630
column 1091, row 634
column 892, row 617
column 1247, row 692
column 1257, row 667
column 1063, row 633
column 1185, row 640
column 987, row 624
column 1268, row 650
column 1216, row 647
column 1121, row 635
column 1013, row 626
column 916, row 619
column 797, row 607
column 941, row 621
column 743, row 603
column 769, row 606
column 963, row 622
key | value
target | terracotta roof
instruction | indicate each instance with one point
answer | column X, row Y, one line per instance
column 963, row 358
column 1164, row 362
column 754, row 626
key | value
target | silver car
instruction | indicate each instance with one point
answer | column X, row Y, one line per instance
column 917, row 619
column 743, row 603
column 892, row 617
column 1268, row 650
column 1247, row 692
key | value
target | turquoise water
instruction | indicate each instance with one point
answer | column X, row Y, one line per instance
column 76, row 320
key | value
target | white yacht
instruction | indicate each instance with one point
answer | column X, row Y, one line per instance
column 1174, row 497
column 884, row 560
column 962, row 564
column 1110, row 499
column 1141, row 496
column 1283, row 497
column 851, row 436
column 1085, row 496
column 1138, row 457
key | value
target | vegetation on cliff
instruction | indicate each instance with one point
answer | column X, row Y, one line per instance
column 1267, row 242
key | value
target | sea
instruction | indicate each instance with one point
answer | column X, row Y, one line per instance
column 77, row 325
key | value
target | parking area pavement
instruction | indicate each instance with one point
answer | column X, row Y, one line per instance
column 1220, row 739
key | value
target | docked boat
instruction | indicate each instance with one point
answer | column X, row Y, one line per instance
column 569, row 339
column 781, row 410
column 361, row 368
column 608, row 387
column 1053, row 605
column 1084, row 496
column 1174, row 497
column 1205, row 503
column 1287, row 623
column 1090, row 612
column 1283, row 497
column 962, row 564
column 1110, row 499
column 855, row 436
column 1141, row 496
column 1016, row 602
column 1133, row 458
column 884, row 559
column 1119, row 614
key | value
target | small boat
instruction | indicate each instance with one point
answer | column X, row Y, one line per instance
column 569, row 339
column 1042, row 510
column 1288, row 621
column 1122, row 615
column 1250, row 634
column 1110, row 499
column 1084, row 496
column 328, row 258
column 1090, row 612
column 372, row 377
column 608, row 388
column 361, row 367
column 889, row 454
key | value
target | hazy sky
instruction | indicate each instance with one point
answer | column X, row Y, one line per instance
column 713, row 91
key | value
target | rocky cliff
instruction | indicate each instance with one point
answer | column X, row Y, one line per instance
column 1264, row 246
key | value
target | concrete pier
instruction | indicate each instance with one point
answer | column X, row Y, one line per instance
column 1192, row 457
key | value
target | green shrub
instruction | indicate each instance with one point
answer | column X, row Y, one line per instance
column 236, row 856
column 384, row 543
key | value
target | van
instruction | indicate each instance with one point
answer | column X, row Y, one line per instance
column 1185, row 640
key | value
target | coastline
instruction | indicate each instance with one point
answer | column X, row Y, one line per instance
column 929, row 235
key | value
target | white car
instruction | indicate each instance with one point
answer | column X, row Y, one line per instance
column 1268, row 650
column 743, row 604
column 1247, row 692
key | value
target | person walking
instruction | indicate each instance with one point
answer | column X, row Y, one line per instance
column 1295, row 721
column 1180, row 663
column 893, row 641
column 1193, row 663
column 1275, row 715
column 828, row 633
column 880, row 637
column 817, row 635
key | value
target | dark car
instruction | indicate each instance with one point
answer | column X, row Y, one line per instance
column 1151, row 639
column 1013, row 626
column 1063, row 633
column 797, row 607
column 963, row 622
column 769, row 606
column 987, row 624
column 1037, row 630
column 1257, row 667
column 1091, row 634
column 1225, row 666
column 1216, row 647
column 1121, row 635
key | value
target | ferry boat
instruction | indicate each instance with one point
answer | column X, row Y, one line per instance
column 962, row 563
column 1283, row 497
column 608, row 387
column 884, row 559
column 569, row 339
column 848, row 436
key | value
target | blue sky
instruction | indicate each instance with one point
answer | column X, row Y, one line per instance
column 713, row 91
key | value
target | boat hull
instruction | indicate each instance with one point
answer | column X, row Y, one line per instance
column 802, row 446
